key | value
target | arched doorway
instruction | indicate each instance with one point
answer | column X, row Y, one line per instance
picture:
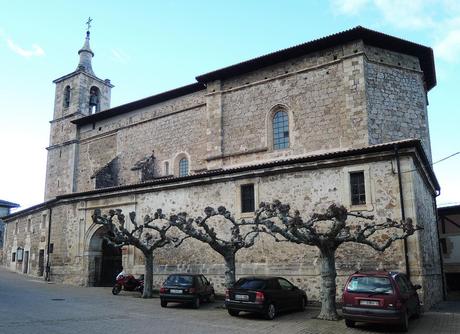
column 104, row 260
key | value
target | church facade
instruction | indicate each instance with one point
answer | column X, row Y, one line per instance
column 340, row 119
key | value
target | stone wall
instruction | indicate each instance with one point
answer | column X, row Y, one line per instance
column 430, row 261
column 28, row 232
column 171, row 130
column 396, row 98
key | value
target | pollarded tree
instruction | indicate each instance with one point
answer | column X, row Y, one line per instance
column 152, row 234
column 327, row 232
column 200, row 229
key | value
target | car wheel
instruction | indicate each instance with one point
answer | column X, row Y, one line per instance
column 233, row 313
column 196, row 302
column 405, row 322
column 271, row 312
column 163, row 303
column 116, row 289
column 349, row 323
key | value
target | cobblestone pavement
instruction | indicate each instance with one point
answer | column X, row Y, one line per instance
column 28, row 306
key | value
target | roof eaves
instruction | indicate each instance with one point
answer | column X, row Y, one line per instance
column 310, row 158
column 30, row 210
column 7, row 204
column 369, row 36
column 142, row 103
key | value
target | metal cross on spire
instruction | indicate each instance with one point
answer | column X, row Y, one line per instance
column 88, row 23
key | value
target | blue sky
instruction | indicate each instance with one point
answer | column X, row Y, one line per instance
column 146, row 47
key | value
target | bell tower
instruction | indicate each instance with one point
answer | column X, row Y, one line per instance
column 78, row 94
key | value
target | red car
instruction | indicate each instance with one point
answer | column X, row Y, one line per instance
column 380, row 297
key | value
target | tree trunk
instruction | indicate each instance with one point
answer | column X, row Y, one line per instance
column 148, row 276
column 328, row 286
column 229, row 269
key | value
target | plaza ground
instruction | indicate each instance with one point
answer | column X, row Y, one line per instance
column 33, row 306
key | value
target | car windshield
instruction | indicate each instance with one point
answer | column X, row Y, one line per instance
column 252, row 284
column 370, row 284
column 182, row 280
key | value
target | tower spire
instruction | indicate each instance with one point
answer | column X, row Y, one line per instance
column 85, row 53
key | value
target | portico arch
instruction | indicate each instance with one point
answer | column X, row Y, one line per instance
column 104, row 260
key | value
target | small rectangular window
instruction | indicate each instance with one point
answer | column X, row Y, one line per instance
column 247, row 198
column 51, row 249
column 13, row 257
column 357, row 187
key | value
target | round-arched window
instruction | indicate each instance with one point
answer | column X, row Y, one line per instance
column 280, row 130
column 183, row 167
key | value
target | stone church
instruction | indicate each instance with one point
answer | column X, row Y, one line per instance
column 339, row 119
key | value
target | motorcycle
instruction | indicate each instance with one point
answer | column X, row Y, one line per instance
column 128, row 283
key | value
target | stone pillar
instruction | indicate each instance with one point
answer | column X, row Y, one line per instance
column 214, row 129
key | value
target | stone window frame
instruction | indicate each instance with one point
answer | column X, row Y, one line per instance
column 177, row 159
column 44, row 220
column 346, row 196
column 29, row 225
column 67, row 95
column 238, row 208
column 269, row 126
column 167, row 167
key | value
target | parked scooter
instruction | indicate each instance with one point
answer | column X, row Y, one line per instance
column 128, row 283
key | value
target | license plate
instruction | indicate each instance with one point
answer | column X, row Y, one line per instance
column 369, row 302
column 175, row 291
column 241, row 297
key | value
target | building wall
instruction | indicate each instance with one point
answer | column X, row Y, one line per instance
column 345, row 97
column 396, row 98
column 309, row 190
column 29, row 233
column 171, row 130
column 425, row 261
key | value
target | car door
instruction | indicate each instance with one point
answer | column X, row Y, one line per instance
column 200, row 288
column 405, row 293
column 206, row 286
column 413, row 296
column 289, row 298
column 274, row 292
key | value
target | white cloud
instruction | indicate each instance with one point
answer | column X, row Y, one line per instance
column 120, row 55
column 35, row 51
column 349, row 7
column 448, row 48
column 438, row 18
column 413, row 14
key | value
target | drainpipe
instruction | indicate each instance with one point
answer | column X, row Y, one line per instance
column 444, row 291
column 48, row 269
column 403, row 212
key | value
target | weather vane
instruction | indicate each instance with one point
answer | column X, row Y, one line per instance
column 88, row 23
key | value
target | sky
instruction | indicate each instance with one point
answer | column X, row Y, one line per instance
column 147, row 47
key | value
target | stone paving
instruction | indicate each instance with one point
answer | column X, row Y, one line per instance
column 28, row 306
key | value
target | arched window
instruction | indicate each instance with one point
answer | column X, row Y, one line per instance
column 66, row 101
column 94, row 99
column 183, row 167
column 280, row 130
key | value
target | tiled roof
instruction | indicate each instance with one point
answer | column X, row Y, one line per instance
column 8, row 204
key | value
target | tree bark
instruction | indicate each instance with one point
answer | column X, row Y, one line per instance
column 148, row 276
column 229, row 269
column 328, row 285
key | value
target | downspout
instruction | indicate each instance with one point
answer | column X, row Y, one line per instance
column 403, row 212
column 443, row 283
column 48, row 269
